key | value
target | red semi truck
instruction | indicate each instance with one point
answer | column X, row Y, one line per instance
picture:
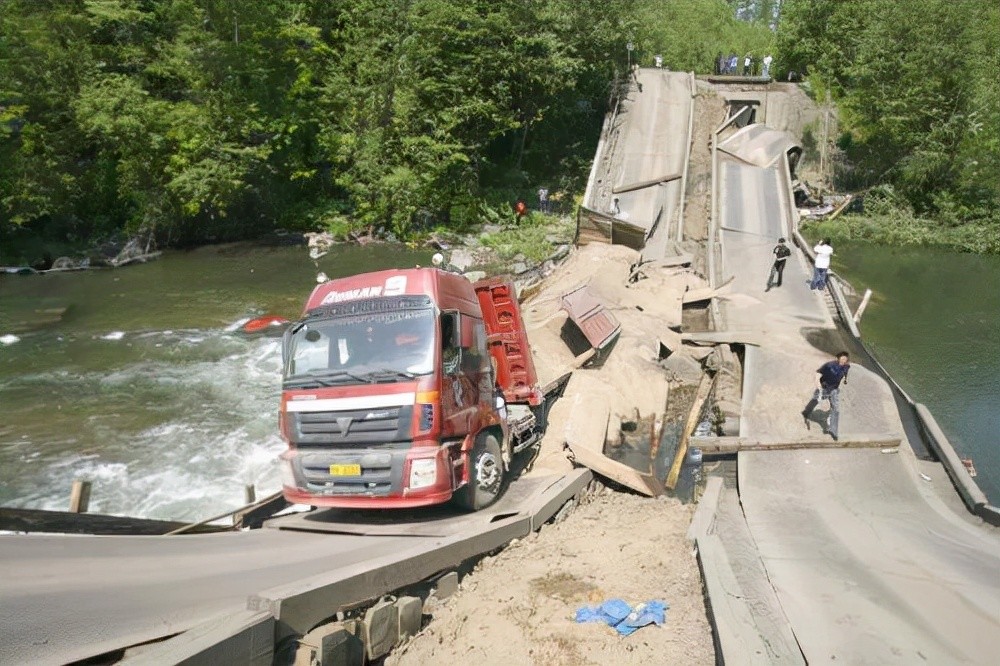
column 406, row 388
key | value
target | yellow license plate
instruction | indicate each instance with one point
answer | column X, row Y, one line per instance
column 345, row 470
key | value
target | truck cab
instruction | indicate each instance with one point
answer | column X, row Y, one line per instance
column 390, row 397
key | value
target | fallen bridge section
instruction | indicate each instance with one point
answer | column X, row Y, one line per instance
column 227, row 598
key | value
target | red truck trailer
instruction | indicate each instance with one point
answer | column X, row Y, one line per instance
column 406, row 388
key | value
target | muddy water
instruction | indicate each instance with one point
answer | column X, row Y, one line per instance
column 934, row 323
column 144, row 386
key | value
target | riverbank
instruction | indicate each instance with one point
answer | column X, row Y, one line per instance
column 899, row 230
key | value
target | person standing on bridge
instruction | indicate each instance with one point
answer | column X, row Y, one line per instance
column 822, row 266
column 781, row 254
column 829, row 377
column 766, row 72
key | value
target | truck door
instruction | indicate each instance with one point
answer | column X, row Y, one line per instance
column 461, row 374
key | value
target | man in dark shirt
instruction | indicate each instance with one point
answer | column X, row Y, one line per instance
column 781, row 254
column 829, row 377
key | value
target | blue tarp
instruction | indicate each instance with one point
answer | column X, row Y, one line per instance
column 619, row 615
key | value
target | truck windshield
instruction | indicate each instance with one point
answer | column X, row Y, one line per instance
column 360, row 348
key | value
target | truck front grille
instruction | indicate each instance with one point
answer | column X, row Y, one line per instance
column 383, row 425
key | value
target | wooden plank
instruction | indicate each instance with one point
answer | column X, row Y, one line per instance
column 79, row 497
column 707, row 293
column 675, row 469
column 667, row 262
column 638, row 185
column 736, row 444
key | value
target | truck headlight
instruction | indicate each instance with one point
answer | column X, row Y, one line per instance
column 423, row 473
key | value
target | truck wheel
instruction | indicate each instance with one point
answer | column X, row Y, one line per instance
column 486, row 475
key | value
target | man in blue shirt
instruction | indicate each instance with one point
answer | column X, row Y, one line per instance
column 829, row 377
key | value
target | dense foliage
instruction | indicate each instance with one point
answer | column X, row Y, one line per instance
column 213, row 119
column 919, row 91
column 204, row 119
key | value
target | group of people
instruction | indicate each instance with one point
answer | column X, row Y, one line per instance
column 544, row 203
column 821, row 268
column 748, row 65
column 831, row 375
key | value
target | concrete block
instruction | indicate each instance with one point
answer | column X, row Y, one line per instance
column 381, row 629
column 446, row 585
column 989, row 513
column 334, row 644
column 410, row 610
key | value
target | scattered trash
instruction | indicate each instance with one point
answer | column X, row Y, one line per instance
column 969, row 467
column 624, row 619
column 8, row 339
column 892, row 450
column 924, row 477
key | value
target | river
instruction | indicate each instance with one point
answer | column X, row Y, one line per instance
column 145, row 386
column 934, row 323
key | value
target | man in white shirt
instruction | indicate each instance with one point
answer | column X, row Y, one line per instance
column 767, row 66
column 823, row 253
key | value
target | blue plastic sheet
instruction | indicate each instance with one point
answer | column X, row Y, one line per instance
column 618, row 614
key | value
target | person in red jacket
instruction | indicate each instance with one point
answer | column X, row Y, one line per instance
column 520, row 210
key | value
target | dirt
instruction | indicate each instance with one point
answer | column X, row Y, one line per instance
column 519, row 606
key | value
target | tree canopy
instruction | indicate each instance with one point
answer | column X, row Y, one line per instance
column 219, row 119
column 919, row 90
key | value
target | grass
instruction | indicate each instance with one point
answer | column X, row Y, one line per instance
column 530, row 237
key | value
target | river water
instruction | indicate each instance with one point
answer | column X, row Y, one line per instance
column 145, row 386
column 934, row 323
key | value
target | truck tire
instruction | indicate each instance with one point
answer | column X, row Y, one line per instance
column 486, row 475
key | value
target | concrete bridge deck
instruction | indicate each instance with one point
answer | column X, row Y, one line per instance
column 869, row 562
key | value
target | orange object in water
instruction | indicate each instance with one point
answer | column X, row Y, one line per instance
column 264, row 323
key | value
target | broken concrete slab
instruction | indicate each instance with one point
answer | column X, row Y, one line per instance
column 585, row 435
column 669, row 341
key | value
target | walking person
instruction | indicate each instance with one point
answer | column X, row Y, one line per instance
column 781, row 254
column 766, row 72
column 822, row 266
column 829, row 378
column 748, row 65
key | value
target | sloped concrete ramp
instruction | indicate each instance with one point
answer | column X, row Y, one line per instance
column 67, row 598
column 868, row 567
